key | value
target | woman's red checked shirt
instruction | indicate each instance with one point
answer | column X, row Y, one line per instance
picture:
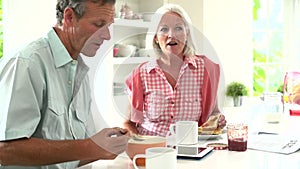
column 156, row 104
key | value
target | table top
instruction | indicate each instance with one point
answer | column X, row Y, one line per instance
column 250, row 159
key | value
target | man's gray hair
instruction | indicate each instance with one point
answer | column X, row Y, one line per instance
column 77, row 5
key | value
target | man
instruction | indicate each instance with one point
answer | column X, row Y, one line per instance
column 45, row 118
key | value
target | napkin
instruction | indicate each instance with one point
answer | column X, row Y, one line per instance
column 210, row 127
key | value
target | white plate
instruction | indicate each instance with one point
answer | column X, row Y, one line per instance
column 209, row 137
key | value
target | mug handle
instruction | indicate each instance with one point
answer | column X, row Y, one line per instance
column 172, row 129
column 136, row 157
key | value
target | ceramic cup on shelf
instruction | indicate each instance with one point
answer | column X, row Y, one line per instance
column 115, row 51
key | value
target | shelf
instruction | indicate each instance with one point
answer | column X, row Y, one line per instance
column 139, row 23
column 130, row 60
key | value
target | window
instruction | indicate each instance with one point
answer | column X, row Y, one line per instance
column 268, row 45
column 274, row 42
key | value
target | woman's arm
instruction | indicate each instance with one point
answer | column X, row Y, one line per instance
column 216, row 109
column 222, row 121
column 131, row 126
column 128, row 124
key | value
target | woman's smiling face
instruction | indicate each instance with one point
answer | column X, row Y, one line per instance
column 171, row 34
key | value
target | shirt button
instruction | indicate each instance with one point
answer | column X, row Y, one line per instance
column 172, row 117
column 172, row 102
column 69, row 82
column 74, row 62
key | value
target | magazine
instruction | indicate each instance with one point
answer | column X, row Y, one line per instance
column 274, row 143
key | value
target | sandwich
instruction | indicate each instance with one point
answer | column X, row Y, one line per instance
column 210, row 127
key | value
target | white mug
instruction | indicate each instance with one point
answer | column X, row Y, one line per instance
column 186, row 132
column 158, row 158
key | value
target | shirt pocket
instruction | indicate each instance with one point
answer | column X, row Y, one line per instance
column 55, row 121
column 79, row 126
column 56, row 108
column 156, row 106
column 81, row 113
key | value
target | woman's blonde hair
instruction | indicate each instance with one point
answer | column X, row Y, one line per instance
column 189, row 48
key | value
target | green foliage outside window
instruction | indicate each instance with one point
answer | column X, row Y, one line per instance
column 268, row 47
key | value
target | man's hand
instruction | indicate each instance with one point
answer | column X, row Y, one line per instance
column 112, row 140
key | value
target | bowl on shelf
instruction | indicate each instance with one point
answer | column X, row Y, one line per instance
column 126, row 50
column 142, row 52
column 147, row 16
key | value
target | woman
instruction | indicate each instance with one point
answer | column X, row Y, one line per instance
column 178, row 85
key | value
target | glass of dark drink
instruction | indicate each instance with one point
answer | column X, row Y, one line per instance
column 237, row 135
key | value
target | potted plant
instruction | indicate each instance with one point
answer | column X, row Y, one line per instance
column 236, row 90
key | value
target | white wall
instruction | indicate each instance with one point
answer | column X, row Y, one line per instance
column 228, row 27
column 25, row 20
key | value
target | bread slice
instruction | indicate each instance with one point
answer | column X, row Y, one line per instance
column 209, row 131
column 210, row 126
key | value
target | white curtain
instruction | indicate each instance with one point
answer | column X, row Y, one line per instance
column 292, row 34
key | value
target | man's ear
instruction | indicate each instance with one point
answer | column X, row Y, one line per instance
column 69, row 16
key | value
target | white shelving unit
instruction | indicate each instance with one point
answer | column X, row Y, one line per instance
column 131, row 23
column 128, row 32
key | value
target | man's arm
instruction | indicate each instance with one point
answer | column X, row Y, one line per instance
column 36, row 152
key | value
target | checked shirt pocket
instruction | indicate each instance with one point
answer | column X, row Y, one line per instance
column 156, row 104
column 191, row 107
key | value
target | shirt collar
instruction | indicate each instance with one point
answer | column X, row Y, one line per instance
column 60, row 54
column 82, row 64
column 188, row 61
column 152, row 65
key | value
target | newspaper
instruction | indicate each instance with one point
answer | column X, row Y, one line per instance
column 274, row 143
